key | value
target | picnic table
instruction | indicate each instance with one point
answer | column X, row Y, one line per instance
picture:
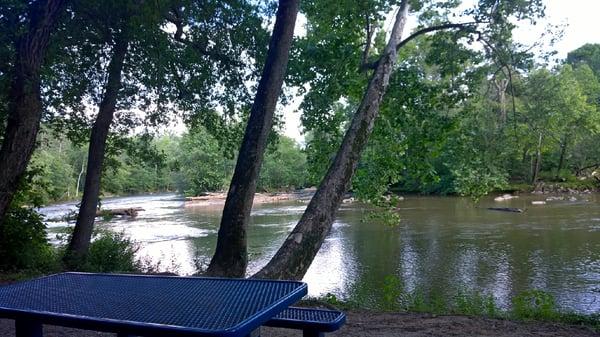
column 143, row 305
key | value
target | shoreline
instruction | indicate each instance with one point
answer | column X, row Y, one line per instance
column 217, row 199
column 381, row 324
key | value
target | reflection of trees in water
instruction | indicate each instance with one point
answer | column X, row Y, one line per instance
column 443, row 245
column 444, row 249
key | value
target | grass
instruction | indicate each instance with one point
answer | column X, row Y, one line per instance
column 531, row 305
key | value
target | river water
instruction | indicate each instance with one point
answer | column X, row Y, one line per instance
column 442, row 245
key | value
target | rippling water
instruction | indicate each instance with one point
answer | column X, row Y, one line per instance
column 443, row 245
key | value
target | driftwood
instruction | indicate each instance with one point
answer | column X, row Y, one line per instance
column 72, row 216
column 506, row 209
column 131, row 212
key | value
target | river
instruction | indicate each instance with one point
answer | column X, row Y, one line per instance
column 442, row 244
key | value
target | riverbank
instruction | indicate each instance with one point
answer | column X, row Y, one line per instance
column 374, row 324
column 217, row 199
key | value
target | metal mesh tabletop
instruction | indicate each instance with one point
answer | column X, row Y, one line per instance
column 202, row 306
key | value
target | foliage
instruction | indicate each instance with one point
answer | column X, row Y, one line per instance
column 528, row 305
column 534, row 304
column 199, row 165
column 24, row 246
column 192, row 164
column 474, row 304
column 588, row 54
column 456, row 119
column 23, row 242
column 284, row 168
column 112, row 252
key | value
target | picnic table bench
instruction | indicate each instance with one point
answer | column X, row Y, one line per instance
column 152, row 306
column 312, row 322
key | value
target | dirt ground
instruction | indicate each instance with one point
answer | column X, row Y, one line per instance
column 387, row 325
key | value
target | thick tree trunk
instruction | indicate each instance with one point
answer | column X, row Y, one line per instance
column 296, row 254
column 25, row 106
column 80, row 241
column 230, row 258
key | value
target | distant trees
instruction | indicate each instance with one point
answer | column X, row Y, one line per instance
column 191, row 164
column 588, row 54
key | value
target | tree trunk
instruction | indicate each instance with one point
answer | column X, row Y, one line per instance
column 24, row 102
column 230, row 258
column 80, row 241
column 538, row 161
column 79, row 177
column 563, row 152
column 501, row 86
column 296, row 254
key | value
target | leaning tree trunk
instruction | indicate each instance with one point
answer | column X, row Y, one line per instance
column 24, row 102
column 296, row 254
column 231, row 257
column 80, row 241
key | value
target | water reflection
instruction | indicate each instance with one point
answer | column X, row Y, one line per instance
column 442, row 245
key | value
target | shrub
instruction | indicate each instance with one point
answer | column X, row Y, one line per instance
column 112, row 252
column 23, row 242
column 476, row 304
column 534, row 304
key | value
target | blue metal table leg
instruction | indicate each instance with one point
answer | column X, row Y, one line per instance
column 25, row 328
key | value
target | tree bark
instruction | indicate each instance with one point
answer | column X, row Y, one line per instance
column 79, row 178
column 501, row 86
column 80, row 241
column 24, row 102
column 296, row 254
column 231, row 257
column 538, row 161
column 563, row 152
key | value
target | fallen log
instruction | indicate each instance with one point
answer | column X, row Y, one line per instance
column 131, row 212
column 506, row 209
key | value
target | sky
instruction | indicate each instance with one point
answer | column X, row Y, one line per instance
column 580, row 19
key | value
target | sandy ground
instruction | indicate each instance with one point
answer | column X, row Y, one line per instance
column 217, row 199
column 389, row 324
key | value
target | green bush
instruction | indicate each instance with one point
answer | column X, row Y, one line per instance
column 534, row 304
column 23, row 242
column 475, row 304
column 112, row 252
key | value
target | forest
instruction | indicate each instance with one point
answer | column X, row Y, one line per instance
column 538, row 129
column 450, row 103
column 190, row 164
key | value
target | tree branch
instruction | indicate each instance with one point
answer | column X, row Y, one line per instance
column 411, row 37
column 365, row 56
column 175, row 17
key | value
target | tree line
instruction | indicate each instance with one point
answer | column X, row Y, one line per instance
column 454, row 106
column 190, row 164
